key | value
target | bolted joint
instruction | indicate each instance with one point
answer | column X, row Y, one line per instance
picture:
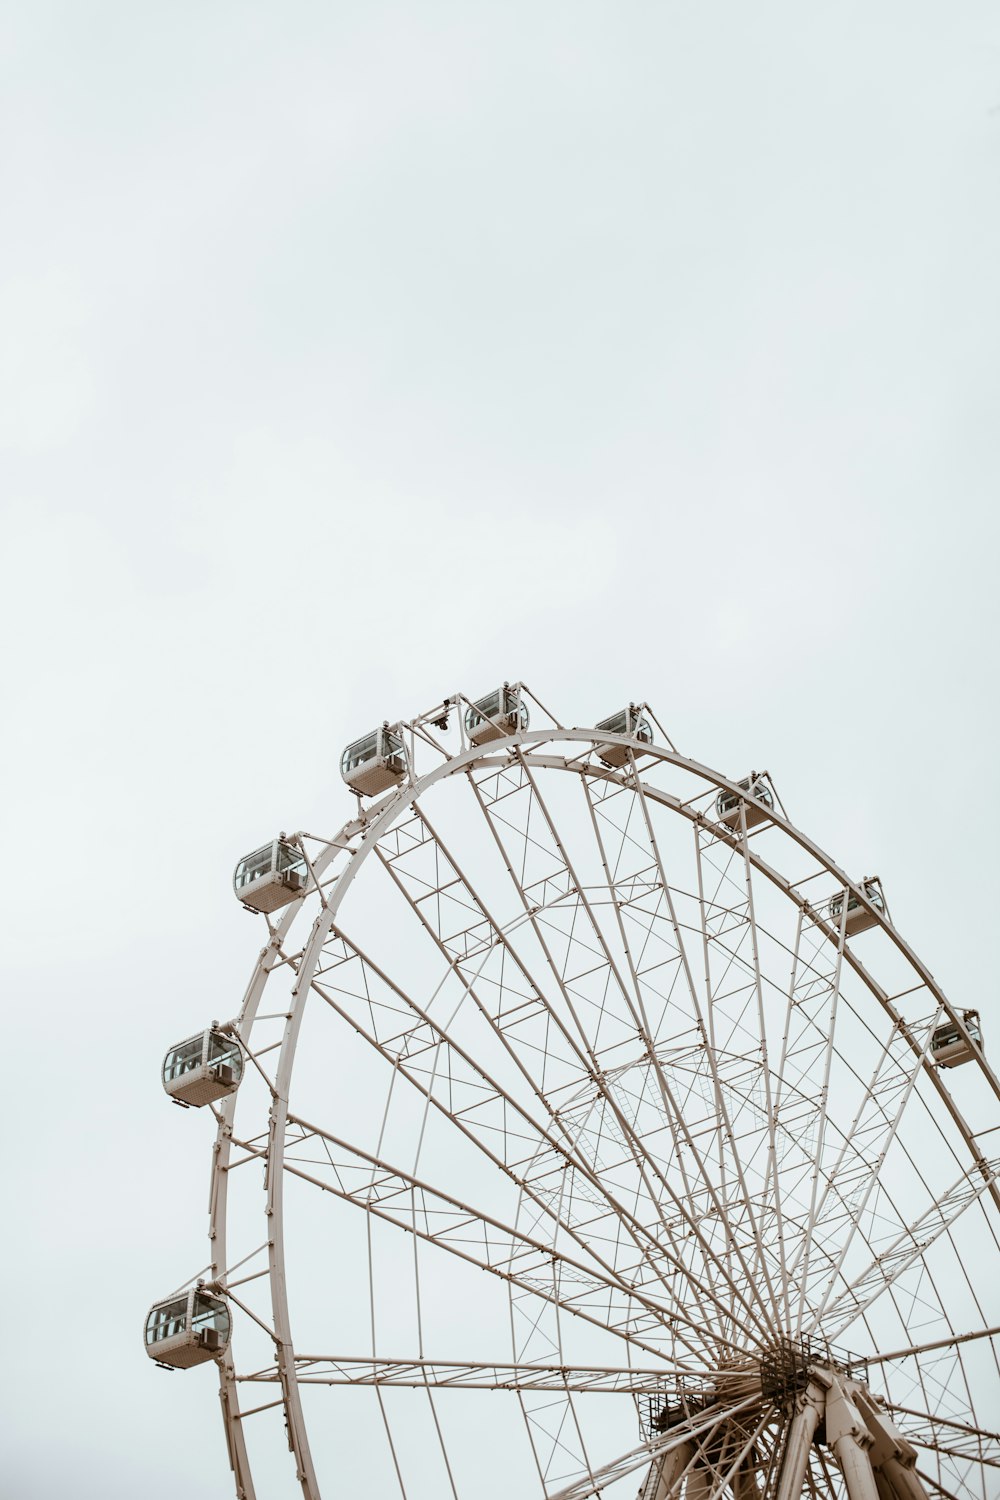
column 887, row 1441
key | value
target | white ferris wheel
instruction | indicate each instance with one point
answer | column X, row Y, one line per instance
column 585, row 1130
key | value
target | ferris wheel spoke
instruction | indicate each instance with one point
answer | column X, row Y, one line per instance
column 725, row 1130
column 825, row 1479
column 936, row 1485
column 472, row 1375
column 706, row 1468
column 768, row 1101
column 520, row 995
column 734, row 1036
column 802, row 1090
column 393, row 1195
column 486, row 1113
column 949, row 1342
column 734, row 1460
column 552, row 1420
column 735, row 1161
column 655, row 1186
column 854, row 1174
column 707, row 1426
column 589, row 970
column 907, row 1248
column 468, row 952
column 554, row 1436
column 958, row 1439
column 675, row 1114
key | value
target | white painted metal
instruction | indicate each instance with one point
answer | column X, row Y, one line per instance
column 497, row 716
column 956, row 1042
column 800, row 1432
column 203, row 1068
column 847, row 1434
column 668, row 1472
column 657, row 997
column 892, row 1457
column 747, row 807
column 188, row 1329
column 865, row 905
column 631, row 725
column 271, row 877
column 375, row 762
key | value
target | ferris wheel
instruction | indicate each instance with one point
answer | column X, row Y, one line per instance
column 585, row 1130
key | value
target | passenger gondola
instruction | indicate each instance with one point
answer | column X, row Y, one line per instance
column 375, row 763
column 950, row 1046
column 188, row 1329
column 271, row 876
column 629, row 721
column 496, row 716
column 859, row 918
column 754, row 796
column 203, row 1068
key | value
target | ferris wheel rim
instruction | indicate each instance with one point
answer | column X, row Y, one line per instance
column 381, row 815
column 367, row 829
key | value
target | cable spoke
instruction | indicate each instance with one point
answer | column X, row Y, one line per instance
column 517, row 1003
column 906, row 1249
column 725, row 1127
column 475, row 1103
column 584, row 1288
column 655, row 1187
column 712, row 1421
column 962, row 1439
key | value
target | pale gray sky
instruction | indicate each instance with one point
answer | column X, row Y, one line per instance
column 355, row 353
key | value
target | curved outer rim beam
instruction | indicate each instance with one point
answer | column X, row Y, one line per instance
column 218, row 1196
column 369, row 827
column 906, row 1248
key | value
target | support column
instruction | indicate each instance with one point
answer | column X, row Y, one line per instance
column 746, row 1485
column 672, row 1466
column 700, row 1482
column 893, row 1458
column 801, row 1431
column 848, row 1436
column 906, row 1484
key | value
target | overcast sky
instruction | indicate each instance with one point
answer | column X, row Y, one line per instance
column 354, row 353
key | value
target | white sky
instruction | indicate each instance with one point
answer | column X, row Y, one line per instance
column 354, row 353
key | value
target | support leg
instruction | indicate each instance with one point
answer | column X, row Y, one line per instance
column 857, row 1470
column 745, row 1484
column 850, row 1439
column 700, row 1483
column 893, row 1458
column 906, row 1483
column 885, row 1489
column 671, row 1469
column 801, row 1431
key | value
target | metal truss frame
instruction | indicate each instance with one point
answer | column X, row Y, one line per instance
column 748, row 1190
